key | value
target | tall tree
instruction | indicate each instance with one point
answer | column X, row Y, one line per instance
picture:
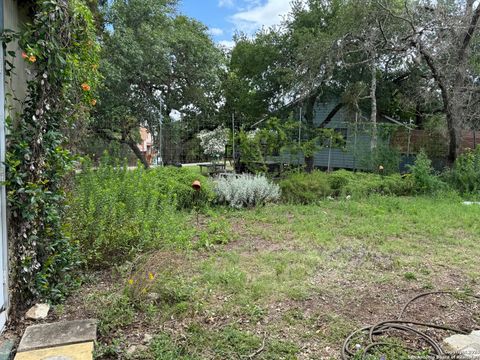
column 442, row 35
column 154, row 61
column 257, row 77
column 279, row 66
column 311, row 30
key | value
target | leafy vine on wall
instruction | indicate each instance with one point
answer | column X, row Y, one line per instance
column 61, row 48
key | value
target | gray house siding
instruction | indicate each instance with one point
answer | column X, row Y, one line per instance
column 12, row 92
column 357, row 147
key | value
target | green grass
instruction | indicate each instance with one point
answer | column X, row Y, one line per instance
column 227, row 343
column 300, row 277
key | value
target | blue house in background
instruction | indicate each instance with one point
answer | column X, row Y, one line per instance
column 355, row 129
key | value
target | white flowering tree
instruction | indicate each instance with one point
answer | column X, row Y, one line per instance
column 213, row 142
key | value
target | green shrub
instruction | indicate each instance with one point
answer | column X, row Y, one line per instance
column 423, row 175
column 340, row 179
column 178, row 182
column 465, row 175
column 361, row 185
column 303, row 188
column 115, row 212
column 398, row 185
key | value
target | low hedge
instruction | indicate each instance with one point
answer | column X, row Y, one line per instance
column 304, row 188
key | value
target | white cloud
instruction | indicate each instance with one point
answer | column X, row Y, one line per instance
column 267, row 14
column 225, row 3
column 215, row 31
column 228, row 44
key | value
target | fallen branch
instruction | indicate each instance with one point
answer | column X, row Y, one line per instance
column 260, row 349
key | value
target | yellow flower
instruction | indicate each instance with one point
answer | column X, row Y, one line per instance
column 32, row 58
column 93, row 102
column 85, row 87
column 130, row 281
column 151, row 276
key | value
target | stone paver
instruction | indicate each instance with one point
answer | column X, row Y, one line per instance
column 82, row 351
column 58, row 334
column 467, row 345
column 38, row 312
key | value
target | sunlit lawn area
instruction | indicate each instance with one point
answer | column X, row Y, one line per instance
column 287, row 282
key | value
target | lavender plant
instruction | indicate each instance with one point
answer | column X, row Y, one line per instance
column 246, row 191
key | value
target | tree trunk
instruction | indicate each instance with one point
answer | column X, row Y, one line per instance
column 373, row 98
column 451, row 96
column 133, row 145
column 447, row 104
column 454, row 137
column 309, row 120
column 419, row 116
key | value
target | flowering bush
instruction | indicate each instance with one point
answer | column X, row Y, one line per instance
column 214, row 142
column 61, row 40
column 246, row 190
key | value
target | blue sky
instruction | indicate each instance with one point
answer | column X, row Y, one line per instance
column 224, row 17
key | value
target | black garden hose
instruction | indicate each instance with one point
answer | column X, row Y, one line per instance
column 406, row 326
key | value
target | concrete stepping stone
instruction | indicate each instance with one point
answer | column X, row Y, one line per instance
column 68, row 340
column 81, row 351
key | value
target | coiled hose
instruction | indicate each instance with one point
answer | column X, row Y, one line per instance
column 405, row 326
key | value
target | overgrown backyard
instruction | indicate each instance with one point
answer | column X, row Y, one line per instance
column 277, row 281
column 301, row 186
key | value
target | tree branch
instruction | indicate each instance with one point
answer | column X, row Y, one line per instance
column 469, row 34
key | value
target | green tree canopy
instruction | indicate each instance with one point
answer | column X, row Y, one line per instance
column 155, row 61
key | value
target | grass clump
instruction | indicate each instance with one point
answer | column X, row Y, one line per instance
column 227, row 343
column 164, row 348
column 114, row 310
